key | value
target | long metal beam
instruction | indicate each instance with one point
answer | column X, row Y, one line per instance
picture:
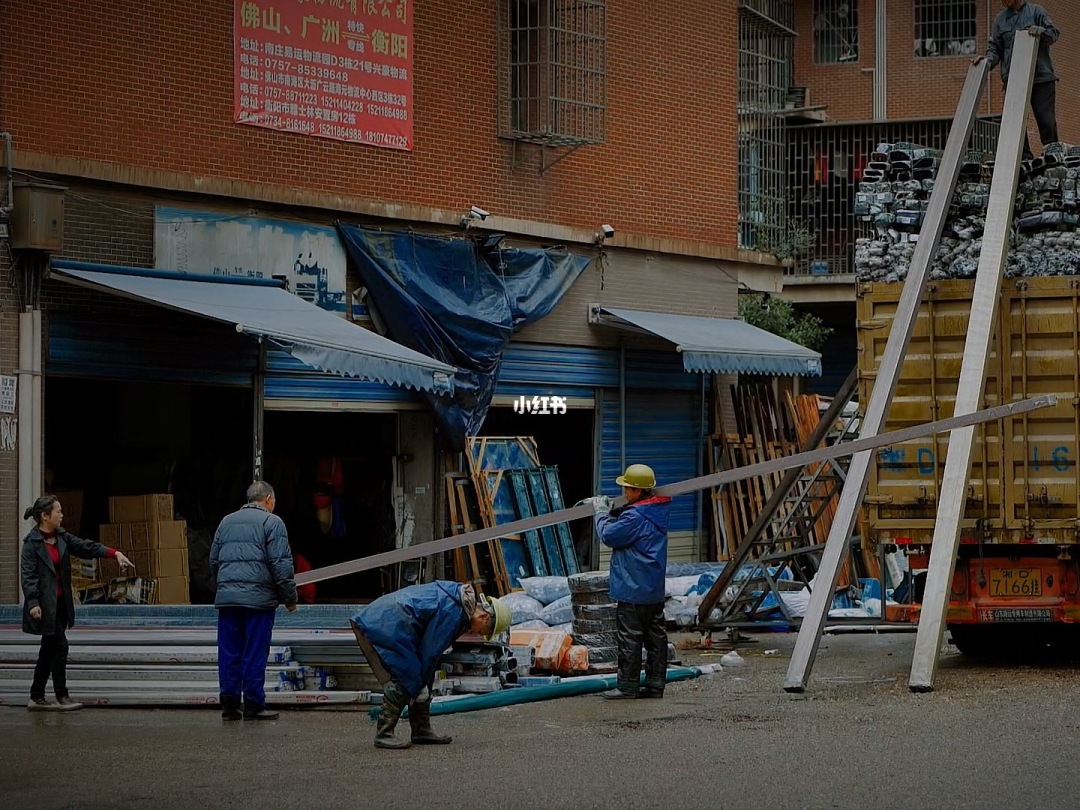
column 980, row 334
column 765, row 516
column 877, row 409
column 672, row 490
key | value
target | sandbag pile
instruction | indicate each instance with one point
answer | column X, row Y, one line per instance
column 895, row 191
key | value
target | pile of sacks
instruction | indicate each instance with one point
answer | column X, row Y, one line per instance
column 895, row 191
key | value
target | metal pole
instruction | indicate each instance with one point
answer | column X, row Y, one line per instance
column 258, row 391
column 681, row 488
column 969, row 391
column 881, row 67
column 25, row 392
column 802, row 659
column 622, row 405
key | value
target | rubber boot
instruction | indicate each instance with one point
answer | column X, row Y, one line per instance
column 394, row 702
column 420, row 721
column 253, row 711
column 384, row 731
column 230, row 708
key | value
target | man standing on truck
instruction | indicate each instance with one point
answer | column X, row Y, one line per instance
column 1020, row 15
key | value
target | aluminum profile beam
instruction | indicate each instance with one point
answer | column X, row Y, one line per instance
column 806, row 645
column 980, row 334
column 681, row 488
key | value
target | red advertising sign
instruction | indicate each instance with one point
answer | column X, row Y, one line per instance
column 332, row 68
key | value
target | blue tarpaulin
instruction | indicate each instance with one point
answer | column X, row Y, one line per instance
column 450, row 300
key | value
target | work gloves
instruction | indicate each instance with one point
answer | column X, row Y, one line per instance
column 601, row 504
column 1036, row 31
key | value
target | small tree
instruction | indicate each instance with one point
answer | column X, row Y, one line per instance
column 779, row 317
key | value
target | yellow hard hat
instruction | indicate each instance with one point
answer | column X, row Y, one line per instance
column 502, row 617
column 637, row 476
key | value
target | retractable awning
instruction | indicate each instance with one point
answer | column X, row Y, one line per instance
column 265, row 309
column 720, row 345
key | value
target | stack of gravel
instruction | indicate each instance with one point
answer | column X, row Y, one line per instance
column 594, row 619
column 895, row 190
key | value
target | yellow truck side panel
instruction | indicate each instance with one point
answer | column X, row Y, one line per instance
column 1024, row 485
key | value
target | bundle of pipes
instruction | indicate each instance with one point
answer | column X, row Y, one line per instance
column 893, row 196
column 163, row 666
column 473, row 667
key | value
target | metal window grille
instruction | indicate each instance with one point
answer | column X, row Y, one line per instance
column 946, row 28
column 836, row 31
column 825, row 163
column 552, row 63
column 765, row 58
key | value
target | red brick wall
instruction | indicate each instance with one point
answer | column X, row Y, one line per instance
column 150, row 84
column 926, row 87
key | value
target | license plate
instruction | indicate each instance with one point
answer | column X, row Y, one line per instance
column 1016, row 582
column 1016, row 615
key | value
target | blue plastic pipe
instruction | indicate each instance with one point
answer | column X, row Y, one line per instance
column 571, row 687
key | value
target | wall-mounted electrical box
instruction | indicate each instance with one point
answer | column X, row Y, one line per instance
column 37, row 220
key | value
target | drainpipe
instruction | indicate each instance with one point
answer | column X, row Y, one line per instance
column 622, row 406
column 881, row 68
column 25, row 393
column 9, row 167
column 37, row 476
column 258, row 393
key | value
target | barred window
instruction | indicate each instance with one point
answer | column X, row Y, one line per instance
column 945, row 28
column 553, row 58
column 836, row 31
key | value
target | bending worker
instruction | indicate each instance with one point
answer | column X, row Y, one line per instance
column 637, row 535
column 404, row 634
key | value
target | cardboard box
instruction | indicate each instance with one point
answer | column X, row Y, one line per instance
column 172, row 591
column 166, row 534
column 140, row 508
column 168, row 562
column 111, row 535
column 71, row 501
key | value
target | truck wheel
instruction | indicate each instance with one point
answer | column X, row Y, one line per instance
column 973, row 640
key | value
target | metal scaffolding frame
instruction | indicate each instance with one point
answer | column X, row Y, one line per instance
column 552, row 71
column 836, row 547
column 766, row 49
column 997, row 238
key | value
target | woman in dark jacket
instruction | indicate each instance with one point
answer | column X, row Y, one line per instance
column 49, row 605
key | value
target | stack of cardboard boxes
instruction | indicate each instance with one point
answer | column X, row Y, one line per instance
column 142, row 527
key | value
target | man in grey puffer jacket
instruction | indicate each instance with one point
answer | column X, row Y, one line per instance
column 253, row 565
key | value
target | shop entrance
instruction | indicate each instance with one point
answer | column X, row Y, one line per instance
column 335, row 475
column 105, row 437
column 566, row 441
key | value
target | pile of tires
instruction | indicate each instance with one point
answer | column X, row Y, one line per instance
column 594, row 619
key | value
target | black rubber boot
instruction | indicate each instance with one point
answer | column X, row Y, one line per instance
column 420, row 722
column 393, row 705
column 230, row 708
column 255, row 712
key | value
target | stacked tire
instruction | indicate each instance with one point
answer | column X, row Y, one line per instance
column 594, row 619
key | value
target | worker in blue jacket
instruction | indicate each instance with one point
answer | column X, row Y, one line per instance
column 637, row 535
column 404, row 634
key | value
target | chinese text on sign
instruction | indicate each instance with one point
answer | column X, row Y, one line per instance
column 337, row 69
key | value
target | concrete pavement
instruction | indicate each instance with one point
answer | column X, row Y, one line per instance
column 992, row 736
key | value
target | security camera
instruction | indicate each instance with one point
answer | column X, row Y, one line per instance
column 607, row 231
column 479, row 212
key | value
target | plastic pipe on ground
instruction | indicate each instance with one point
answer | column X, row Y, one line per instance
column 571, row 687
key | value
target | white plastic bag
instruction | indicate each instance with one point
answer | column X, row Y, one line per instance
column 558, row 612
column 546, row 589
column 523, row 608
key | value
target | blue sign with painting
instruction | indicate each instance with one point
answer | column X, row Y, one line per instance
column 310, row 258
